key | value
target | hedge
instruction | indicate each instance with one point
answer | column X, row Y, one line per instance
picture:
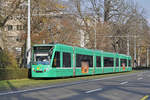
column 141, row 68
column 13, row 73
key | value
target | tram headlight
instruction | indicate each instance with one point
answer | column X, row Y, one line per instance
column 47, row 69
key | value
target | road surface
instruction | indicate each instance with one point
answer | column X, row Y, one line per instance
column 135, row 86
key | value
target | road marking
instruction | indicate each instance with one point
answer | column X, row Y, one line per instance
column 140, row 78
column 124, row 83
column 90, row 91
column 140, row 75
column 113, row 77
column 148, row 75
column 145, row 97
column 65, row 84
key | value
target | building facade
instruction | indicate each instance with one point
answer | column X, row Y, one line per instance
column 14, row 28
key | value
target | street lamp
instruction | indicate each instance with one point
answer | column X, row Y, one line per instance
column 28, row 49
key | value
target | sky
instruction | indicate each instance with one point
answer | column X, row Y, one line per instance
column 146, row 5
column 143, row 4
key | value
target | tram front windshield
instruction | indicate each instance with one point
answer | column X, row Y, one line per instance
column 42, row 55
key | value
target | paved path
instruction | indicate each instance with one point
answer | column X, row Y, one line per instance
column 135, row 86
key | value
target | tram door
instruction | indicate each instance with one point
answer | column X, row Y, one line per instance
column 85, row 66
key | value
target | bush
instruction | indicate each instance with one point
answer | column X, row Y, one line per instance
column 7, row 60
column 4, row 59
column 141, row 68
column 9, row 68
column 13, row 73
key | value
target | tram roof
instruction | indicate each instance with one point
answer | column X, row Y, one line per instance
column 53, row 44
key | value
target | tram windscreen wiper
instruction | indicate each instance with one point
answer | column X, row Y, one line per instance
column 50, row 52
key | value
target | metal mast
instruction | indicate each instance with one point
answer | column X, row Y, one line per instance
column 147, row 57
column 28, row 49
column 95, row 42
column 135, row 51
column 128, row 45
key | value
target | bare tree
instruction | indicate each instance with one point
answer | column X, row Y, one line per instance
column 13, row 7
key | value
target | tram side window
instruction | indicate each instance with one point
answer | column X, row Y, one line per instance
column 87, row 58
column 78, row 60
column 123, row 61
column 90, row 59
column 56, row 61
column 117, row 62
column 129, row 63
column 66, row 59
column 108, row 62
column 98, row 61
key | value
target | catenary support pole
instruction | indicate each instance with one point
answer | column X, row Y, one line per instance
column 139, row 56
column 95, row 35
column 147, row 56
column 128, row 46
column 28, row 49
column 135, row 51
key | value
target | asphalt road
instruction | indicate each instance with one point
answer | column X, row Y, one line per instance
column 135, row 86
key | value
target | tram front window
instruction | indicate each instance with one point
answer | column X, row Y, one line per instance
column 42, row 60
column 42, row 55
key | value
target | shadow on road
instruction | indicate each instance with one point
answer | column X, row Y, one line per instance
column 104, row 93
column 19, row 96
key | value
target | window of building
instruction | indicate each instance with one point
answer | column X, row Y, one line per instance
column 19, row 27
column 56, row 61
column 24, row 27
column 117, row 62
column 17, row 39
column 84, row 58
column 123, row 61
column 21, row 7
column 11, row 18
column 98, row 61
column 10, row 27
column 66, row 59
column 108, row 62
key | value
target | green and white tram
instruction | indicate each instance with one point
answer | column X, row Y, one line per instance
column 58, row 60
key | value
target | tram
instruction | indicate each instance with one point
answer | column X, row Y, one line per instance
column 59, row 60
